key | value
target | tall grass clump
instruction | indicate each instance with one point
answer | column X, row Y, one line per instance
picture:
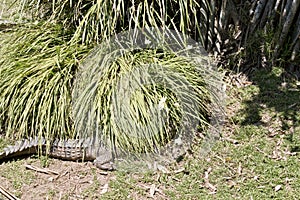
column 39, row 59
column 125, row 110
column 37, row 67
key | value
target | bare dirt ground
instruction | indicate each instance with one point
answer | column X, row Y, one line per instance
column 72, row 181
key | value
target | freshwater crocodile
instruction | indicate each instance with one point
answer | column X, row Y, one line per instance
column 73, row 150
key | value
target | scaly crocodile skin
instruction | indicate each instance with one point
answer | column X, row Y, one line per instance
column 74, row 150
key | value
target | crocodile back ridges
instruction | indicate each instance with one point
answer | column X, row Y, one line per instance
column 82, row 149
column 23, row 147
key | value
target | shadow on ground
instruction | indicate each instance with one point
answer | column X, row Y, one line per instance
column 278, row 92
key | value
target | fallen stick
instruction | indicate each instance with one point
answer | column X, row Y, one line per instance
column 7, row 194
column 46, row 171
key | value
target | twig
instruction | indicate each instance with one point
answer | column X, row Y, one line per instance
column 153, row 189
column 233, row 141
column 46, row 171
column 7, row 194
column 207, row 184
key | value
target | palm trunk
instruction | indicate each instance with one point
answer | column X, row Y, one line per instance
column 270, row 31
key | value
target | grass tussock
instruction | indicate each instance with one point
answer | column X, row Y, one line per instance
column 40, row 56
column 37, row 67
column 127, row 96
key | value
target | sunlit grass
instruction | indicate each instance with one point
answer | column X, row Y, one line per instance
column 136, row 125
column 37, row 67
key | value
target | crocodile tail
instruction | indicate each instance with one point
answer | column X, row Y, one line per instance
column 21, row 148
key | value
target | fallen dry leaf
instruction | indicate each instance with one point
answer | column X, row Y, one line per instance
column 207, row 184
column 277, row 187
column 104, row 189
column 239, row 170
column 152, row 190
